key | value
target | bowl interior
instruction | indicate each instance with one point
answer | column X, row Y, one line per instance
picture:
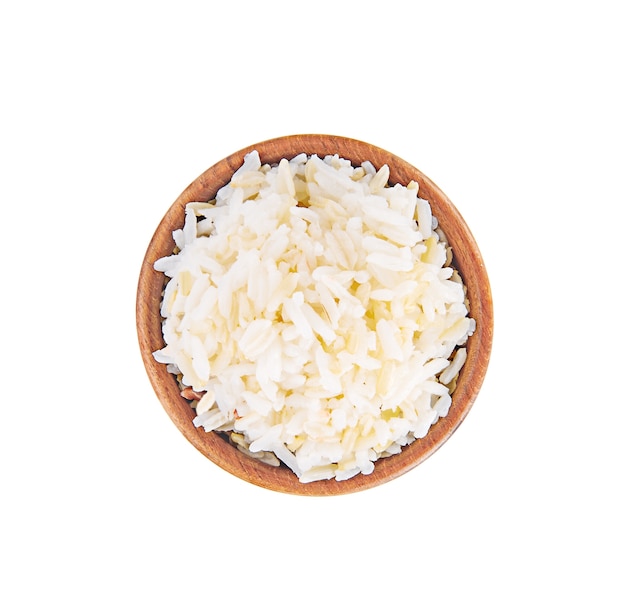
column 467, row 260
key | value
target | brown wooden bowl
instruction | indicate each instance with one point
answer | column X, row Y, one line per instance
column 467, row 261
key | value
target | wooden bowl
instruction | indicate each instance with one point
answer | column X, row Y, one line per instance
column 467, row 260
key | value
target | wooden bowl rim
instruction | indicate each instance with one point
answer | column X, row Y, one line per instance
column 467, row 260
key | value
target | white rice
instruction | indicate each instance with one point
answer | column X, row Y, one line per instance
column 313, row 306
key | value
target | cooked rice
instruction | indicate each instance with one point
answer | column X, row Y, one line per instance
column 313, row 308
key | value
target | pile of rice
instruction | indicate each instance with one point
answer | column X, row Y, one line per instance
column 313, row 316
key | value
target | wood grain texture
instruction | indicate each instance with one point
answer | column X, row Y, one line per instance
column 467, row 260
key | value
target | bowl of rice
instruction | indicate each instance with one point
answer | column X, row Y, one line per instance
column 314, row 315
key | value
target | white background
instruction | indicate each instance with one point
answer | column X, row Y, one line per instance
column 110, row 109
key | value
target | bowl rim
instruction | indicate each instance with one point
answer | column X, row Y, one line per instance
column 467, row 259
